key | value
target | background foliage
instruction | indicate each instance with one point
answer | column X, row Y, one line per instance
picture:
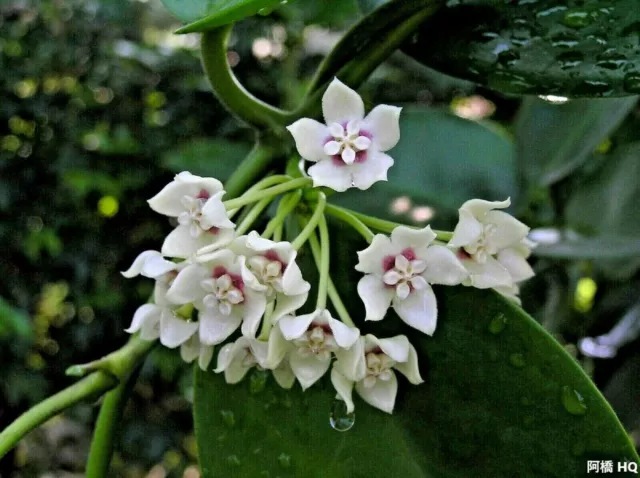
column 100, row 104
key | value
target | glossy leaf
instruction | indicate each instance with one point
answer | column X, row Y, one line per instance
column 441, row 161
column 555, row 139
column 491, row 405
column 602, row 247
column 544, row 47
column 208, row 14
column 15, row 323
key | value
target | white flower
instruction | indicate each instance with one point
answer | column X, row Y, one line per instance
column 370, row 364
column 481, row 233
column 514, row 259
column 272, row 269
column 315, row 337
column 164, row 322
column 149, row 264
column 202, row 218
column 348, row 150
column 193, row 348
column 236, row 359
column 217, row 289
column 400, row 270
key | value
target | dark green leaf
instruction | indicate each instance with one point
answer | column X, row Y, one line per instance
column 15, row 323
column 554, row 140
column 545, row 47
column 491, row 405
column 601, row 247
column 441, row 161
column 206, row 157
column 208, row 14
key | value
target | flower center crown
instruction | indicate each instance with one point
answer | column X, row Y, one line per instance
column 403, row 274
column 346, row 143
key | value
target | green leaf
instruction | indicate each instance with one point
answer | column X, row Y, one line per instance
column 554, row 140
column 491, row 405
column 601, row 247
column 15, row 323
column 441, row 161
column 568, row 47
column 206, row 157
column 208, row 14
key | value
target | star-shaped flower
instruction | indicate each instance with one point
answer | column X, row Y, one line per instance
column 400, row 270
column 349, row 149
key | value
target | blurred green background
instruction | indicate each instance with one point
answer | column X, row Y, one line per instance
column 100, row 104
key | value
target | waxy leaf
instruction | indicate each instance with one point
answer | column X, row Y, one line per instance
column 548, row 47
column 501, row 398
column 555, row 139
column 601, row 247
column 441, row 161
column 208, row 14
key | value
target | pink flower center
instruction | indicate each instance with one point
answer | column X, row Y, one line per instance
column 236, row 279
column 388, row 262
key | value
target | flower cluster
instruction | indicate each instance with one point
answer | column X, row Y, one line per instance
column 215, row 286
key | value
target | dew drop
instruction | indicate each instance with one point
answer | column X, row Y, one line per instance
column 258, row 381
column 564, row 40
column 595, row 87
column 569, row 59
column 579, row 18
column 573, row 401
column 632, row 82
column 551, row 11
column 339, row 419
column 498, row 323
column 517, row 360
column 233, row 460
column 284, row 460
column 228, row 417
column 508, row 57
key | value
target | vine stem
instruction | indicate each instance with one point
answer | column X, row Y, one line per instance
column 352, row 220
column 253, row 214
column 256, row 163
column 334, row 296
column 228, row 89
column 287, row 204
column 265, row 193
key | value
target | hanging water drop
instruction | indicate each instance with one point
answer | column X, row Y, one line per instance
column 572, row 401
column 498, row 323
column 258, row 381
column 579, row 18
column 339, row 419
column 632, row 82
column 233, row 460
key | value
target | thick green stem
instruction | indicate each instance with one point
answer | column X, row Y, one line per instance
column 254, row 213
column 228, row 89
column 256, row 163
column 315, row 219
column 352, row 220
column 107, row 425
column 324, row 263
column 265, row 193
column 338, row 305
column 287, row 204
column 89, row 388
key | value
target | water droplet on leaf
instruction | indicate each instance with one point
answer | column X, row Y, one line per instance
column 228, row 417
column 632, row 82
column 517, row 360
column 572, row 401
column 498, row 323
column 339, row 419
column 258, row 381
column 579, row 18
column 233, row 460
column 284, row 460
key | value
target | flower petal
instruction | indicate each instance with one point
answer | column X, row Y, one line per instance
column 253, row 307
column 175, row 331
column 371, row 171
column 382, row 395
column 443, row 267
column 180, row 242
column 169, row 200
column 371, row 260
column 345, row 336
column 516, row 264
column 310, row 137
column 287, row 304
column 418, row 239
column 326, row 173
column 509, row 231
column 308, row 369
column 467, row 231
column 139, row 262
column 376, row 297
column 409, row 368
column 277, row 349
column 383, row 122
column 510, row 293
column 344, row 388
column 292, row 281
column 284, row 376
column 341, row 104
column 216, row 328
column 395, row 347
column 479, row 207
column 190, row 349
column 419, row 310
column 186, row 286
column 214, row 214
column 293, row 327
column 351, row 362
column 206, row 354
column 143, row 314
column 226, row 355
column 488, row 275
